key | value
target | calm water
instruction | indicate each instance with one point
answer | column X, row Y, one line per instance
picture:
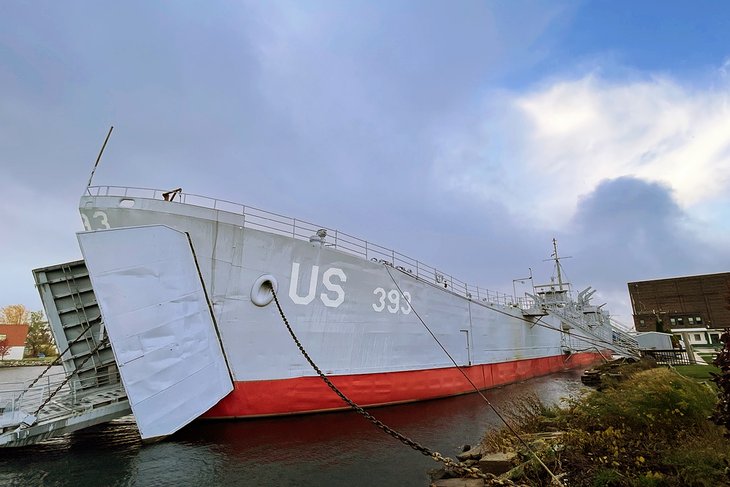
column 314, row 450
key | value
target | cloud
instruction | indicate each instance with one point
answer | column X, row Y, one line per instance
column 630, row 173
column 633, row 227
column 630, row 229
column 403, row 125
column 569, row 135
column 325, row 112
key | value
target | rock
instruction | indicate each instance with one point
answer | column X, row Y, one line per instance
column 442, row 473
column 458, row 483
column 472, row 454
column 497, row 463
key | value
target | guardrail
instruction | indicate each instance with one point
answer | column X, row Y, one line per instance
column 668, row 357
column 300, row 229
column 621, row 337
column 27, row 397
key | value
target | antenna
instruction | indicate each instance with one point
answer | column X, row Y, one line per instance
column 557, row 263
column 98, row 158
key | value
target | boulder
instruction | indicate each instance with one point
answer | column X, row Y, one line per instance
column 497, row 463
column 441, row 473
column 471, row 454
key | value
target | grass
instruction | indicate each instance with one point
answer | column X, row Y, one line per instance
column 707, row 356
column 27, row 361
column 701, row 372
column 649, row 430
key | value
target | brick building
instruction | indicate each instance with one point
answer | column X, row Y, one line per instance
column 15, row 336
column 697, row 305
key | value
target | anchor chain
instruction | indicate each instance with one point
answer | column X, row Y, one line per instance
column 457, row 466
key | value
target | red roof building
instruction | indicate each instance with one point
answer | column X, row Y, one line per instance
column 15, row 336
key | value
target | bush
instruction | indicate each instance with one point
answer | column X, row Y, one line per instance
column 650, row 430
column 659, row 402
column 653, row 428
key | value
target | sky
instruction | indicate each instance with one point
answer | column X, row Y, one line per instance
column 465, row 134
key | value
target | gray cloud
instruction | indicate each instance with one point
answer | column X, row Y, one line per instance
column 630, row 229
column 340, row 114
column 326, row 112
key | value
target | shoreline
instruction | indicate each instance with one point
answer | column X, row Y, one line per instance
column 25, row 363
column 646, row 425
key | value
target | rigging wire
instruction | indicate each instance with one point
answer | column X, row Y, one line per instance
column 596, row 341
column 555, row 478
column 458, row 466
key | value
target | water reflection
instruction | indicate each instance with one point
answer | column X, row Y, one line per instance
column 313, row 450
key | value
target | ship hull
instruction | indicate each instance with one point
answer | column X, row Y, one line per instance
column 310, row 394
column 384, row 334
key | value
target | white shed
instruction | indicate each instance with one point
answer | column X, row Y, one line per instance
column 654, row 340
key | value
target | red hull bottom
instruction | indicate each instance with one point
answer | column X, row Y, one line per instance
column 311, row 394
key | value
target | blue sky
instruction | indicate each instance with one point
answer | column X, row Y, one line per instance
column 465, row 134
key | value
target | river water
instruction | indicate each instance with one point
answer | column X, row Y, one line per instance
column 313, row 450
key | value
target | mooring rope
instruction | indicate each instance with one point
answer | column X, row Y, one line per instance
column 459, row 467
column 554, row 477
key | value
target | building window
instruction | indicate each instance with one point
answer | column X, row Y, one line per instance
column 691, row 320
column 641, row 322
column 698, row 319
column 697, row 337
column 3, row 337
column 679, row 321
column 674, row 322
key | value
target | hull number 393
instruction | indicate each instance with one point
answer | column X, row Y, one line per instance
column 333, row 296
column 394, row 302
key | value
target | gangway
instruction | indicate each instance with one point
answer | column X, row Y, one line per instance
column 89, row 390
column 31, row 412
column 167, row 365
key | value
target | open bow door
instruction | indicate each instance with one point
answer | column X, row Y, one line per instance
column 159, row 322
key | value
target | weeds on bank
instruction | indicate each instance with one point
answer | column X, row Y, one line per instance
column 649, row 430
column 526, row 415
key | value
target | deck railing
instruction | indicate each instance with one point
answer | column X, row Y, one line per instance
column 300, row 229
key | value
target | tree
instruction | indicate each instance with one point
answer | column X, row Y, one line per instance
column 39, row 338
column 14, row 314
column 721, row 416
column 4, row 348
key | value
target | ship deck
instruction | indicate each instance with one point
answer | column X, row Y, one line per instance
column 296, row 228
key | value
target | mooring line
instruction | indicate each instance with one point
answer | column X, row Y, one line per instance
column 554, row 477
column 449, row 462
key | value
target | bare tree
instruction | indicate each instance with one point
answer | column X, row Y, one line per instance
column 4, row 348
column 14, row 314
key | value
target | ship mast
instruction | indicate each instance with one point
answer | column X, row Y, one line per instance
column 557, row 264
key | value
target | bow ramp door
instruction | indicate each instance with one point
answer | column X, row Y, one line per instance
column 160, row 325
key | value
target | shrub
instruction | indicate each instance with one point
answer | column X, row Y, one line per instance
column 659, row 402
column 721, row 416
